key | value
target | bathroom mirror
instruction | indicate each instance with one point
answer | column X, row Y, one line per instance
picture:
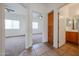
column 76, row 21
column 69, row 23
column 72, row 23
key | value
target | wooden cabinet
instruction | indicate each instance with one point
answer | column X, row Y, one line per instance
column 72, row 37
column 78, row 38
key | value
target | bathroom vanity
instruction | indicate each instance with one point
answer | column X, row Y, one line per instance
column 72, row 36
column 72, row 28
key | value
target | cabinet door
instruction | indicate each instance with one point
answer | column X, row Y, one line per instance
column 72, row 37
column 78, row 38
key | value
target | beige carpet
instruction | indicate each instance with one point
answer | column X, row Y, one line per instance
column 37, row 38
column 14, row 45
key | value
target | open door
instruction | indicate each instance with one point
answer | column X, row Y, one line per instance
column 62, row 27
column 50, row 27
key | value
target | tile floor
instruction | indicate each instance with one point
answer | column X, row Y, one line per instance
column 43, row 49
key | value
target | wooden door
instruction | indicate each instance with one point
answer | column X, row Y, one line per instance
column 50, row 27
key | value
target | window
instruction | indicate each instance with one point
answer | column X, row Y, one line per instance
column 8, row 24
column 35, row 25
column 16, row 24
column 12, row 24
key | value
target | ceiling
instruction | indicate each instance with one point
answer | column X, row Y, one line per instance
column 52, row 6
column 55, row 5
column 73, row 9
column 20, row 8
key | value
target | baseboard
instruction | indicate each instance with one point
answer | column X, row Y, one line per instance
column 36, row 33
column 14, row 36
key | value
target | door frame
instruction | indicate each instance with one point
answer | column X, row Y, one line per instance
column 35, row 11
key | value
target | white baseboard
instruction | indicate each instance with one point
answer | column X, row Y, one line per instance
column 14, row 36
column 36, row 33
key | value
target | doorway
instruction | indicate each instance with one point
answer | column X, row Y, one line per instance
column 36, row 27
column 68, row 24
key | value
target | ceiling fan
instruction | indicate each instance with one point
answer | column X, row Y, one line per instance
column 9, row 10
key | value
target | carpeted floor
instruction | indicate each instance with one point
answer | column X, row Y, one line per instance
column 37, row 38
column 15, row 45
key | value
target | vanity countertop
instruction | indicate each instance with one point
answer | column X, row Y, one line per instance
column 72, row 30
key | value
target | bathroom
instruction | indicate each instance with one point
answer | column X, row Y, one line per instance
column 69, row 15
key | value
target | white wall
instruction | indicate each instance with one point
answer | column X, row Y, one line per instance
column 14, row 32
column 2, row 40
column 73, row 9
